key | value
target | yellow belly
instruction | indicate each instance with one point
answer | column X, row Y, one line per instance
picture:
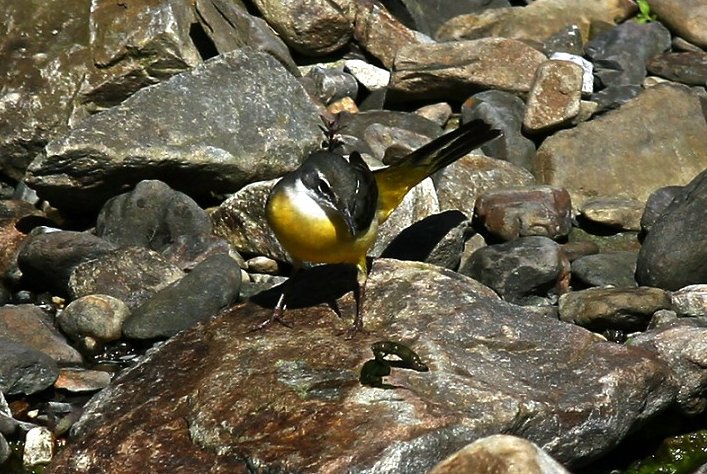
column 313, row 236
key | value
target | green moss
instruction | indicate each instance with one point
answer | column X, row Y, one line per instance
column 677, row 455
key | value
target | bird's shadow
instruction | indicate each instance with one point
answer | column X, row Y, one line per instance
column 321, row 284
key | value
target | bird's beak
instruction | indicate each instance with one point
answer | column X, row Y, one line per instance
column 349, row 221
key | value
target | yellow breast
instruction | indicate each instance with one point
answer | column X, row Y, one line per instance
column 311, row 234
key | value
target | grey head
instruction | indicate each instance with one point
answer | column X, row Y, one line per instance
column 345, row 187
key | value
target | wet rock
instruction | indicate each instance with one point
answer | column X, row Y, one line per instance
column 690, row 300
column 501, row 454
column 629, row 309
column 136, row 47
column 39, row 447
column 38, row 40
column 538, row 21
column 210, row 287
column 505, row 112
column 206, row 140
column 14, row 215
column 427, row 16
column 358, row 125
column 600, row 157
column 152, row 216
column 684, row 348
column 614, row 213
column 511, row 213
column 47, row 259
column 587, row 69
column 311, row 28
column 437, row 239
column 521, row 271
column 381, row 34
column 674, row 251
column 24, row 370
column 29, row 325
column 460, row 184
column 657, row 203
column 686, row 17
column 132, row 275
column 687, row 68
column 93, row 319
column 77, row 380
column 447, row 70
column 493, row 368
column 554, row 98
column 229, row 26
column 606, row 269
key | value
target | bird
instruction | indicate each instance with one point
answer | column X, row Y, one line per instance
column 329, row 209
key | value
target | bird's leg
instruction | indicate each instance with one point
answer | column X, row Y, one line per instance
column 278, row 312
column 359, row 297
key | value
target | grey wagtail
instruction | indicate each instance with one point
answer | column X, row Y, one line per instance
column 328, row 210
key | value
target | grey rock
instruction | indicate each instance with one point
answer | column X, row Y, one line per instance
column 29, row 325
column 240, row 220
column 152, row 216
column 687, row 68
column 229, row 26
column 521, row 270
column 38, row 39
column 684, row 348
column 502, row 454
column 674, row 252
column 193, row 131
column 606, row 269
column 136, row 47
column 656, row 204
column 538, row 21
column 690, row 300
column 5, row 450
column 24, row 370
column 39, row 447
column 685, row 17
column 510, row 213
column 452, row 68
column 132, row 275
column 46, row 260
column 381, row 34
column 437, row 239
column 613, row 213
column 371, row 77
column 621, row 53
column 93, row 319
column 613, row 97
column 310, row 28
column 438, row 113
column 460, row 184
column 578, row 249
column 554, row 98
column 600, row 157
column 332, row 84
column 629, row 309
column 566, row 41
column 503, row 111
column 427, row 16
column 494, row 367
column 210, row 287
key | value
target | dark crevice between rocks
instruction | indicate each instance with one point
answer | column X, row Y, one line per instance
column 203, row 43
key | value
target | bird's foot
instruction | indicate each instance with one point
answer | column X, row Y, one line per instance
column 355, row 330
column 277, row 317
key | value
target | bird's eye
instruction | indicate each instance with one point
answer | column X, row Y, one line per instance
column 323, row 187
